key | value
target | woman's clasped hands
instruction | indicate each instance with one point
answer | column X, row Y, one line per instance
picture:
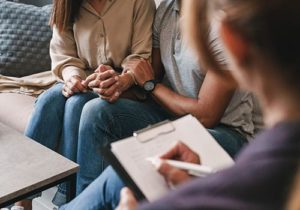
column 108, row 83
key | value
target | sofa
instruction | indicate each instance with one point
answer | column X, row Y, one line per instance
column 24, row 50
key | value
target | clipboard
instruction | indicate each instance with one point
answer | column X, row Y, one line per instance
column 117, row 166
column 144, row 135
column 128, row 156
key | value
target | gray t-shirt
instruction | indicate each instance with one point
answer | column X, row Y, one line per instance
column 184, row 75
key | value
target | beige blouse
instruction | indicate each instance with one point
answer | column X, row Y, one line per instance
column 121, row 32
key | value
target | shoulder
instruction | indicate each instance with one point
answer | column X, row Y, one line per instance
column 163, row 7
column 135, row 5
column 145, row 4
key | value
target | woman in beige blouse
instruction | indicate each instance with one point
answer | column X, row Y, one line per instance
column 93, row 38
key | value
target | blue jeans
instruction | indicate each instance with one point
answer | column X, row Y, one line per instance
column 230, row 139
column 55, row 121
column 104, row 192
column 102, row 123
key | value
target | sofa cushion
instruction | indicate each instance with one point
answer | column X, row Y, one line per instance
column 15, row 110
column 38, row 3
column 24, row 39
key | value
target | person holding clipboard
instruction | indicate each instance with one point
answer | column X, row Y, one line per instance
column 261, row 43
column 184, row 88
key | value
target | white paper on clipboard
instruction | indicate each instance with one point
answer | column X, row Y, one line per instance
column 132, row 152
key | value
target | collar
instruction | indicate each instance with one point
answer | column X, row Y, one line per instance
column 176, row 6
column 86, row 5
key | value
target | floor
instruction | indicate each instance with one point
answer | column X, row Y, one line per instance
column 44, row 202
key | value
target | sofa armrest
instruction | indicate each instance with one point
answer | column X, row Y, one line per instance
column 15, row 110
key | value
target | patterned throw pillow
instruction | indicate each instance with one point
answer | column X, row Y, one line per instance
column 24, row 39
column 38, row 3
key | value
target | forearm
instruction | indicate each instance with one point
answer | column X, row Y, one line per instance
column 181, row 105
column 64, row 58
column 71, row 71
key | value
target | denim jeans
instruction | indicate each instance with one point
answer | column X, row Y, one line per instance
column 229, row 138
column 104, row 192
column 102, row 123
column 55, row 121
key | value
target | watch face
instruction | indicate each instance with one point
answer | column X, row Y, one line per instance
column 149, row 86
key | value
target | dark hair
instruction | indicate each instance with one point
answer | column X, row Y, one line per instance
column 64, row 13
column 272, row 27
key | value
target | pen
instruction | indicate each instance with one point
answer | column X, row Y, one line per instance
column 192, row 169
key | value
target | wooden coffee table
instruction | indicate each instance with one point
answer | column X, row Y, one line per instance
column 27, row 167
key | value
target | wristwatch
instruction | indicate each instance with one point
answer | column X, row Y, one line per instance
column 150, row 85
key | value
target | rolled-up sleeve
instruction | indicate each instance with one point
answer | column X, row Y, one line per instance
column 64, row 56
column 141, row 47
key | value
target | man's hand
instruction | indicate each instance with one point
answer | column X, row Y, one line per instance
column 72, row 86
column 178, row 152
column 127, row 200
column 141, row 69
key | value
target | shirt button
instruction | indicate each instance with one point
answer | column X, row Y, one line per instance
column 101, row 35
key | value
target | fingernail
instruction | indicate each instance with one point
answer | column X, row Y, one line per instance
column 117, row 94
column 116, row 78
column 124, row 192
column 156, row 162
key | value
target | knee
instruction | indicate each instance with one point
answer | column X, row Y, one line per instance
column 51, row 100
column 104, row 111
column 114, row 186
column 96, row 111
column 114, row 180
column 217, row 135
column 101, row 118
column 75, row 103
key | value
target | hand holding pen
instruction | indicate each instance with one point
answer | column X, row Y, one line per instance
column 191, row 168
column 174, row 175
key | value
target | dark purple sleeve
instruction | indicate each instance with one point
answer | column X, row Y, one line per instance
column 260, row 186
column 259, row 181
